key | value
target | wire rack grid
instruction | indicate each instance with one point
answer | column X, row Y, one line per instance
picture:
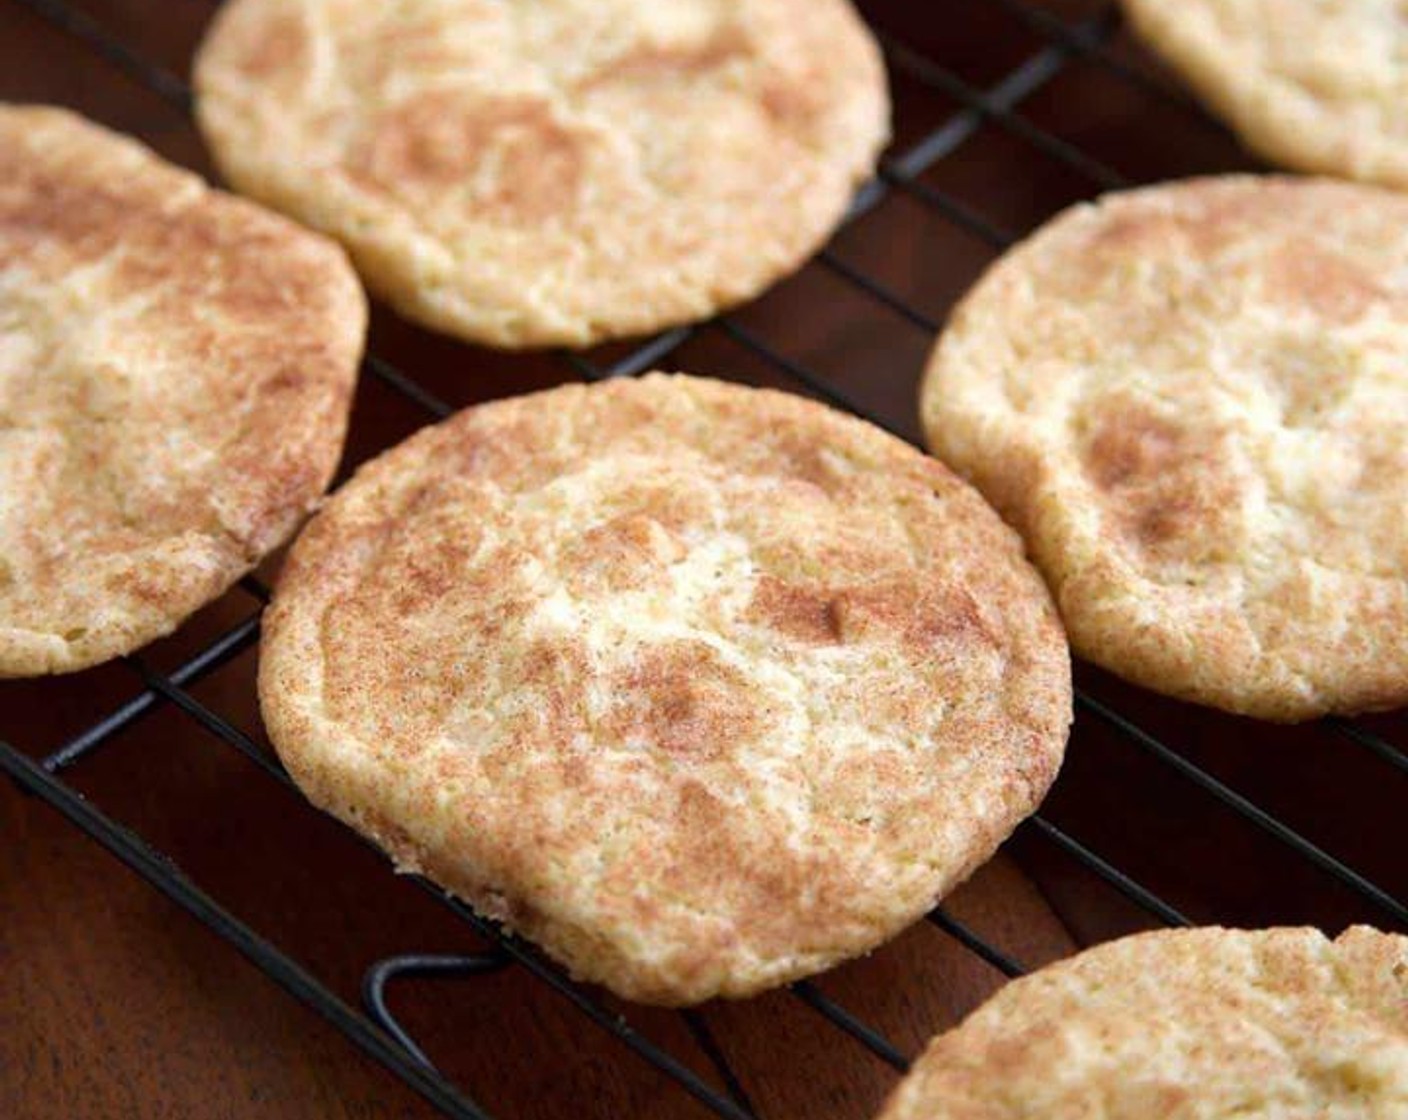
column 375, row 1029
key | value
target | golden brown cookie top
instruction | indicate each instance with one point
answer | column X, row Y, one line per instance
column 1197, row 1024
column 553, row 172
column 1316, row 85
column 702, row 687
column 175, row 371
column 1192, row 400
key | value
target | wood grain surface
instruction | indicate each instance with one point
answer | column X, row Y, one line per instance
column 114, row 1003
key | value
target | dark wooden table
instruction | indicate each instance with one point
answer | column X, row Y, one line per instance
column 115, row 1003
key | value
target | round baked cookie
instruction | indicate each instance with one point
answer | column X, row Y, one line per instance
column 555, row 172
column 175, row 371
column 1192, row 400
column 1316, row 85
column 1200, row 1024
column 702, row 687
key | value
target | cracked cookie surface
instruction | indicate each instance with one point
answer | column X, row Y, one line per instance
column 1197, row 1024
column 556, row 172
column 1192, row 400
column 702, row 687
column 176, row 367
column 1314, row 85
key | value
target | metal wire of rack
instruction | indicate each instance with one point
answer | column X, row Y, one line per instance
column 377, row 1031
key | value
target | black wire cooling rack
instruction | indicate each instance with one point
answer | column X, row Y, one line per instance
column 375, row 1029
